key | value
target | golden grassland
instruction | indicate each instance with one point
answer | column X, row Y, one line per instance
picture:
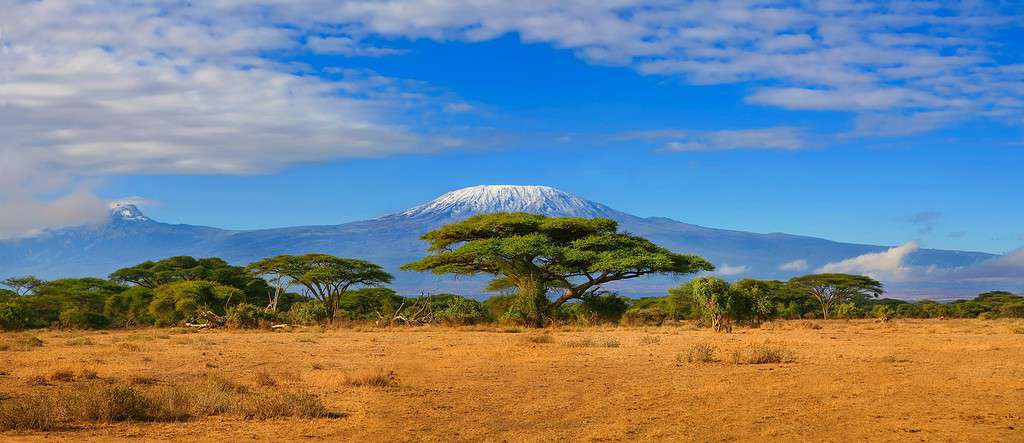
column 922, row 380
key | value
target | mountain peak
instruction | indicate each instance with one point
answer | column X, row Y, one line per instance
column 126, row 212
column 486, row 199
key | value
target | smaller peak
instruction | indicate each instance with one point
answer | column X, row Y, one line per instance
column 126, row 212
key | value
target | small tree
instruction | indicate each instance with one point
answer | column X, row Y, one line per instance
column 713, row 300
column 325, row 277
column 832, row 289
column 535, row 253
column 759, row 296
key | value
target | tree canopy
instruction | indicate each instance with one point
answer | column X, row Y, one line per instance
column 832, row 289
column 535, row 253
column 324, row 277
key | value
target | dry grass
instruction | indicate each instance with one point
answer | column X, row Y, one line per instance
column 935, row 380
column 649, row 340
column 541, row 339
column 264, row 378
column 378, row 378
column 64, row 375
column 79, row 341
column 21, row 343
column 109, row 403
column 698, row 353
column 591, row 343
column 761, row 353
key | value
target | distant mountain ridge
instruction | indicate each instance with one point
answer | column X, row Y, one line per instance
column 392, row 240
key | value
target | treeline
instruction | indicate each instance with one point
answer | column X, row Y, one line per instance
column 317, row 289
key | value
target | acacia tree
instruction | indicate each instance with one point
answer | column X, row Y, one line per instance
column 831, row 290
column 273, row 270
column 23, row 286
column 535, row 253
column 325, row 277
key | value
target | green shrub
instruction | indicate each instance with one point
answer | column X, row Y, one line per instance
column 311, row 312
column 174, row 303
column 457, row 310
column 1012, row 310
column 13, row 316
column 247, row 316
column 645, row 317
column 75, row 318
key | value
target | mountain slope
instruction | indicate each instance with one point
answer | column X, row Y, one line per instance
column 392, row 240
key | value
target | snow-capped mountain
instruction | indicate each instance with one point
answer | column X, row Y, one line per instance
column 487, row 199
column 393, row 240
column 127, row 212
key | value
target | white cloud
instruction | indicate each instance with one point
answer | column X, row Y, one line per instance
column 347, row 46
column 794, row 266
column 772, row 138
column 732, row 270
column 95, row 89
column 888, row 265
column 90, row 89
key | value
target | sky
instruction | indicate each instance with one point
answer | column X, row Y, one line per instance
column 892, row 123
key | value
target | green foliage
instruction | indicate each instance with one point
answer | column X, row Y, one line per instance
column 367, row 303
column 595, row 309
column 13, row 316
column 1012, row 310
column 248, row 316
column 713, row 301
column 645, row 316
column 323, row 276
column 535, row 253
column 312, row 312
column 849, row 310
column 130, row 307
column 497, row 306
column 457, row 310
column 174, row 303
column 76, row 318
column 22, row 286
column 834, row 289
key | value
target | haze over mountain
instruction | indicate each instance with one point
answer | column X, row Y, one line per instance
column 130, row 237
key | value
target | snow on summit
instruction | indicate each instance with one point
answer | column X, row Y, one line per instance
column 126, row 211
column 508, row 198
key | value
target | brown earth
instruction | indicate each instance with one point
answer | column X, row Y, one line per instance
column 920, row 380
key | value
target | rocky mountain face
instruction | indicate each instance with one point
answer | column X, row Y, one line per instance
column 392, row 240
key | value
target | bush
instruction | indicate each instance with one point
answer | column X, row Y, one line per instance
column 757, row 354
column 312, row 312
column 457, row 310
column 13, row 316
column 699, row 353
column 75, row 318
column 29, row 414
column 1012, row 310
column 247, row 316
column 645, row 317
column 174, row 303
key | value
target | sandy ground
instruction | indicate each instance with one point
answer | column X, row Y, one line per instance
column 920, row 380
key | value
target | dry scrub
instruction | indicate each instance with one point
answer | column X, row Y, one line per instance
column 97, row 402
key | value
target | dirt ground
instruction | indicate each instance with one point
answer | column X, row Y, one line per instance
column 920, row 380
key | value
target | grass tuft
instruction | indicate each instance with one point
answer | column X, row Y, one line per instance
column 759, row 354
column 649, row 340
column 698, row 353
column 264, row 378
column 541, row 339
column 377, row 378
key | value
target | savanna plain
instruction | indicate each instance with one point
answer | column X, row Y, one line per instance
column 840, row 380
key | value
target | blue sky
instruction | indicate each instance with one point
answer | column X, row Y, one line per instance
column 862, row 122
